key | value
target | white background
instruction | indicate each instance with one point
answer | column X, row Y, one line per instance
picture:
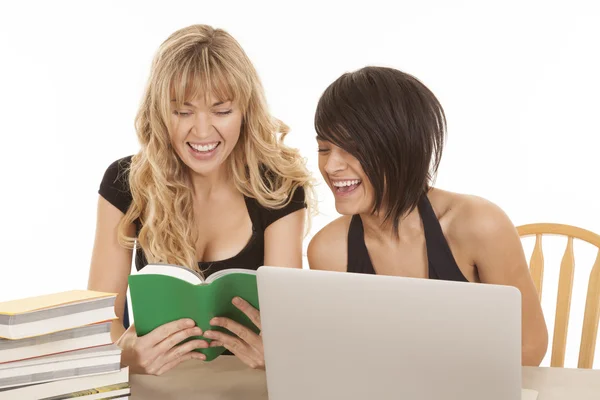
column 519, row 81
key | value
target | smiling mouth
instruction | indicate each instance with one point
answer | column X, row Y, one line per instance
column 346, row 186
column 203, row 149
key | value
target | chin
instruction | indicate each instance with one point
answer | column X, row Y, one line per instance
column 204, row 170
column 202, row 167
column 347, row 209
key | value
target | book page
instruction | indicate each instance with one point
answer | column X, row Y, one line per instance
column 224, row 272
column 29, row 304
column 175, row 271
column 529, row 394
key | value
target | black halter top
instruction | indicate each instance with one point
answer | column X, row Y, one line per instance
column 442, row 264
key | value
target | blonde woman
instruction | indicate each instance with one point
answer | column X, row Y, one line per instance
column 212, row 187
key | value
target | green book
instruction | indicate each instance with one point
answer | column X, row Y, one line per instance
column 161, row 293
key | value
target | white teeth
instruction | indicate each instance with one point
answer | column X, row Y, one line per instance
column 207, row 147
column 346, row 183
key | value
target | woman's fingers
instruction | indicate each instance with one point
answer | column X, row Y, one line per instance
column 227, row 341
column 176, row 338
column 164, row 331
column 247, row 309
column 173, row 363
column 177, row 354
column 244, row 343
column 245, row 334
column 249, row 355
column 182, row 349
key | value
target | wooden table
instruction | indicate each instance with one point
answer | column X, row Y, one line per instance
column 226, row 378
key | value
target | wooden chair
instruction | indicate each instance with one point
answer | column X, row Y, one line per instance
column 565, row 286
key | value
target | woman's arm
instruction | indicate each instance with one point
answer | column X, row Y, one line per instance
column 283, row 241
column 111, row 262
column 328, row 249
column 497, row 252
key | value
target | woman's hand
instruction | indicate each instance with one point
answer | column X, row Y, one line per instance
column 246, row 344
column 158, row 351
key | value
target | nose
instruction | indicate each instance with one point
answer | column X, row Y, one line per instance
column 335, row 163
column 202, row 126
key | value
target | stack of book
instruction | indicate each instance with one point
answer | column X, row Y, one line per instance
column 58, row 346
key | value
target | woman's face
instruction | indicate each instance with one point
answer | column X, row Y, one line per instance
column 345, row 177
column 204, row 132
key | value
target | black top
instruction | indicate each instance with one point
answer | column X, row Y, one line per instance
column 115, row 189
column 442, row 264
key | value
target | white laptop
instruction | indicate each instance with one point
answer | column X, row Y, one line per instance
column 332, row 335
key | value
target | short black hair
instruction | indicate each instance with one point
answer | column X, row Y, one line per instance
column 396, row 128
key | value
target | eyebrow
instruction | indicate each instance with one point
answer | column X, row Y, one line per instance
column 218, row 103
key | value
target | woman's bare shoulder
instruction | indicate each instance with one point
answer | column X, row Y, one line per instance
column 328, row 249
column 466, row 217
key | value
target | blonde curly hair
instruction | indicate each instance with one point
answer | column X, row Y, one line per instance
column 202, row 60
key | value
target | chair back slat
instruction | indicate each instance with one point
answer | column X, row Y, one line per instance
column 536, row 265
column 591, row 317
column 563, row 306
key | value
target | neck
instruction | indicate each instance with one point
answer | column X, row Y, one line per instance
column 383, row 231
column 206, row 186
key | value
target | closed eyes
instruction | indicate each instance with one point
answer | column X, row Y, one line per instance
column 188, row 113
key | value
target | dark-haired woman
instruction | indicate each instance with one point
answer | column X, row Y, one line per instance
column 380, row 134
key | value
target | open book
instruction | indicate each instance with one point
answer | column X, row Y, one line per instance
column 162, row 293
